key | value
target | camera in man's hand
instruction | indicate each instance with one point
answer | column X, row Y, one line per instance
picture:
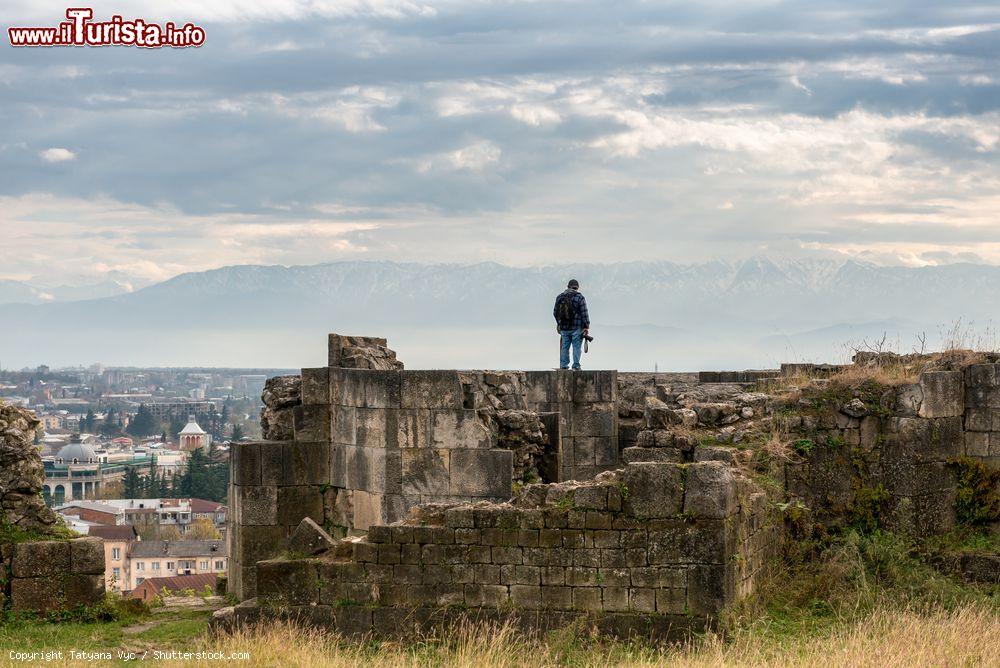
column 588, row 338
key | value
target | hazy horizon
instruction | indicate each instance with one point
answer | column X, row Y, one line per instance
column 755, row 313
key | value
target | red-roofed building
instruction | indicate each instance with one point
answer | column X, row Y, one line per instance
column 153, row 587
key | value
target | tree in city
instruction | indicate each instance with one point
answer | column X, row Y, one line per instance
column 169, row 532
column 143, row 424
column 176, row 425
column 203, row 529
column 111, row 425
column 203, row 479
column 238, row 434
column 89, row 423
column 132, row 484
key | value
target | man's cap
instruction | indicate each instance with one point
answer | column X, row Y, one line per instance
column 573, row 283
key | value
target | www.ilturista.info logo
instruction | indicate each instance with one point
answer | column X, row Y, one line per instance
column 80, row 30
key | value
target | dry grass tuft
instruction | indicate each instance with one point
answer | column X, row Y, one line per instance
column 966, row 636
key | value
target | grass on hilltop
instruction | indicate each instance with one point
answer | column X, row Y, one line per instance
column 860, row 600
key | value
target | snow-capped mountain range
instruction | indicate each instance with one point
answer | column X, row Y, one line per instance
column 709, row 315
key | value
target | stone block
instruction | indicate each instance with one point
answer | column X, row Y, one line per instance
column 710, row 490
column 482, row 473
column 306, row 463
column 260, row 542
column 298, row 502
column 309, row 538
column 977, row 444
column 587, row 598
column 637, row 454
column 594, row 497
column 656, row 577
column 713, row 453
column 606, row 452
column 908, row 399
column 87, row 555
column 921, row 440
column 41, row 558
column 710, row 589
column 369, row 509
column 272, row 466
column 595, row 419
column 584, row 450
column 431, row 389
column 459, row 429
column 595, row 386
column 288, row 582
column 642, row 600
column 391, row 473
column 983, row 375
column 425, row 471
column 413, row 428
column 653, row 489
column 345, row 425
column 366, row 388
column 671, row 601
column 615, row 599
column 37, row 594
column 257, row 504
column 943, row 394
column 526, row 596
column 83, row 588
column 563, row 383
column 312, row 423
column 357, row 470
column 316, row 386
column 905, row 478
column 371, row 428
column 245, row 463
column 933, row 514
column 702, row 541
column 338, row 466
column 557, row 598
column 538, row 387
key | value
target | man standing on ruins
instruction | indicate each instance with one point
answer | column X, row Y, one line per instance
column 572, row 323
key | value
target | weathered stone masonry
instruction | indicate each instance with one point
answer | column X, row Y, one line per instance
column 49, row 571
column 369, row 444
column 652, row 550
column 632, row 511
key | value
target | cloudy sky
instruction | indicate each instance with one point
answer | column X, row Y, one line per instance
column 526, row 132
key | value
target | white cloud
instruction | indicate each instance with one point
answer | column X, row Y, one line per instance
column 226, row 10
column 474, row 157
column 57, row 155
column 47, row 235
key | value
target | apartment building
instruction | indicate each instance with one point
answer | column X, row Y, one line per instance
column 162, row 558
column 118, row 542
column 141, row 513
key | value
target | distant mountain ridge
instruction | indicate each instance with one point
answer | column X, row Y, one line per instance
column 755, row 300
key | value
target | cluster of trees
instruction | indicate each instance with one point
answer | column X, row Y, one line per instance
column 201, row 529
column 236, row 421
column 203, row 479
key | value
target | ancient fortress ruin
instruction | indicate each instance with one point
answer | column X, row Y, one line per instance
column 42, row 568
column 389, row 501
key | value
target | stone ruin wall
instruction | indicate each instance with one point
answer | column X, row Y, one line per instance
column 41, row 569
column 652, row 550
column 893, row 451
column 356, row 450
column 352, row 447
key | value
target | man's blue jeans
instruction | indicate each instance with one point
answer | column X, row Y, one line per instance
column 569, row 337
